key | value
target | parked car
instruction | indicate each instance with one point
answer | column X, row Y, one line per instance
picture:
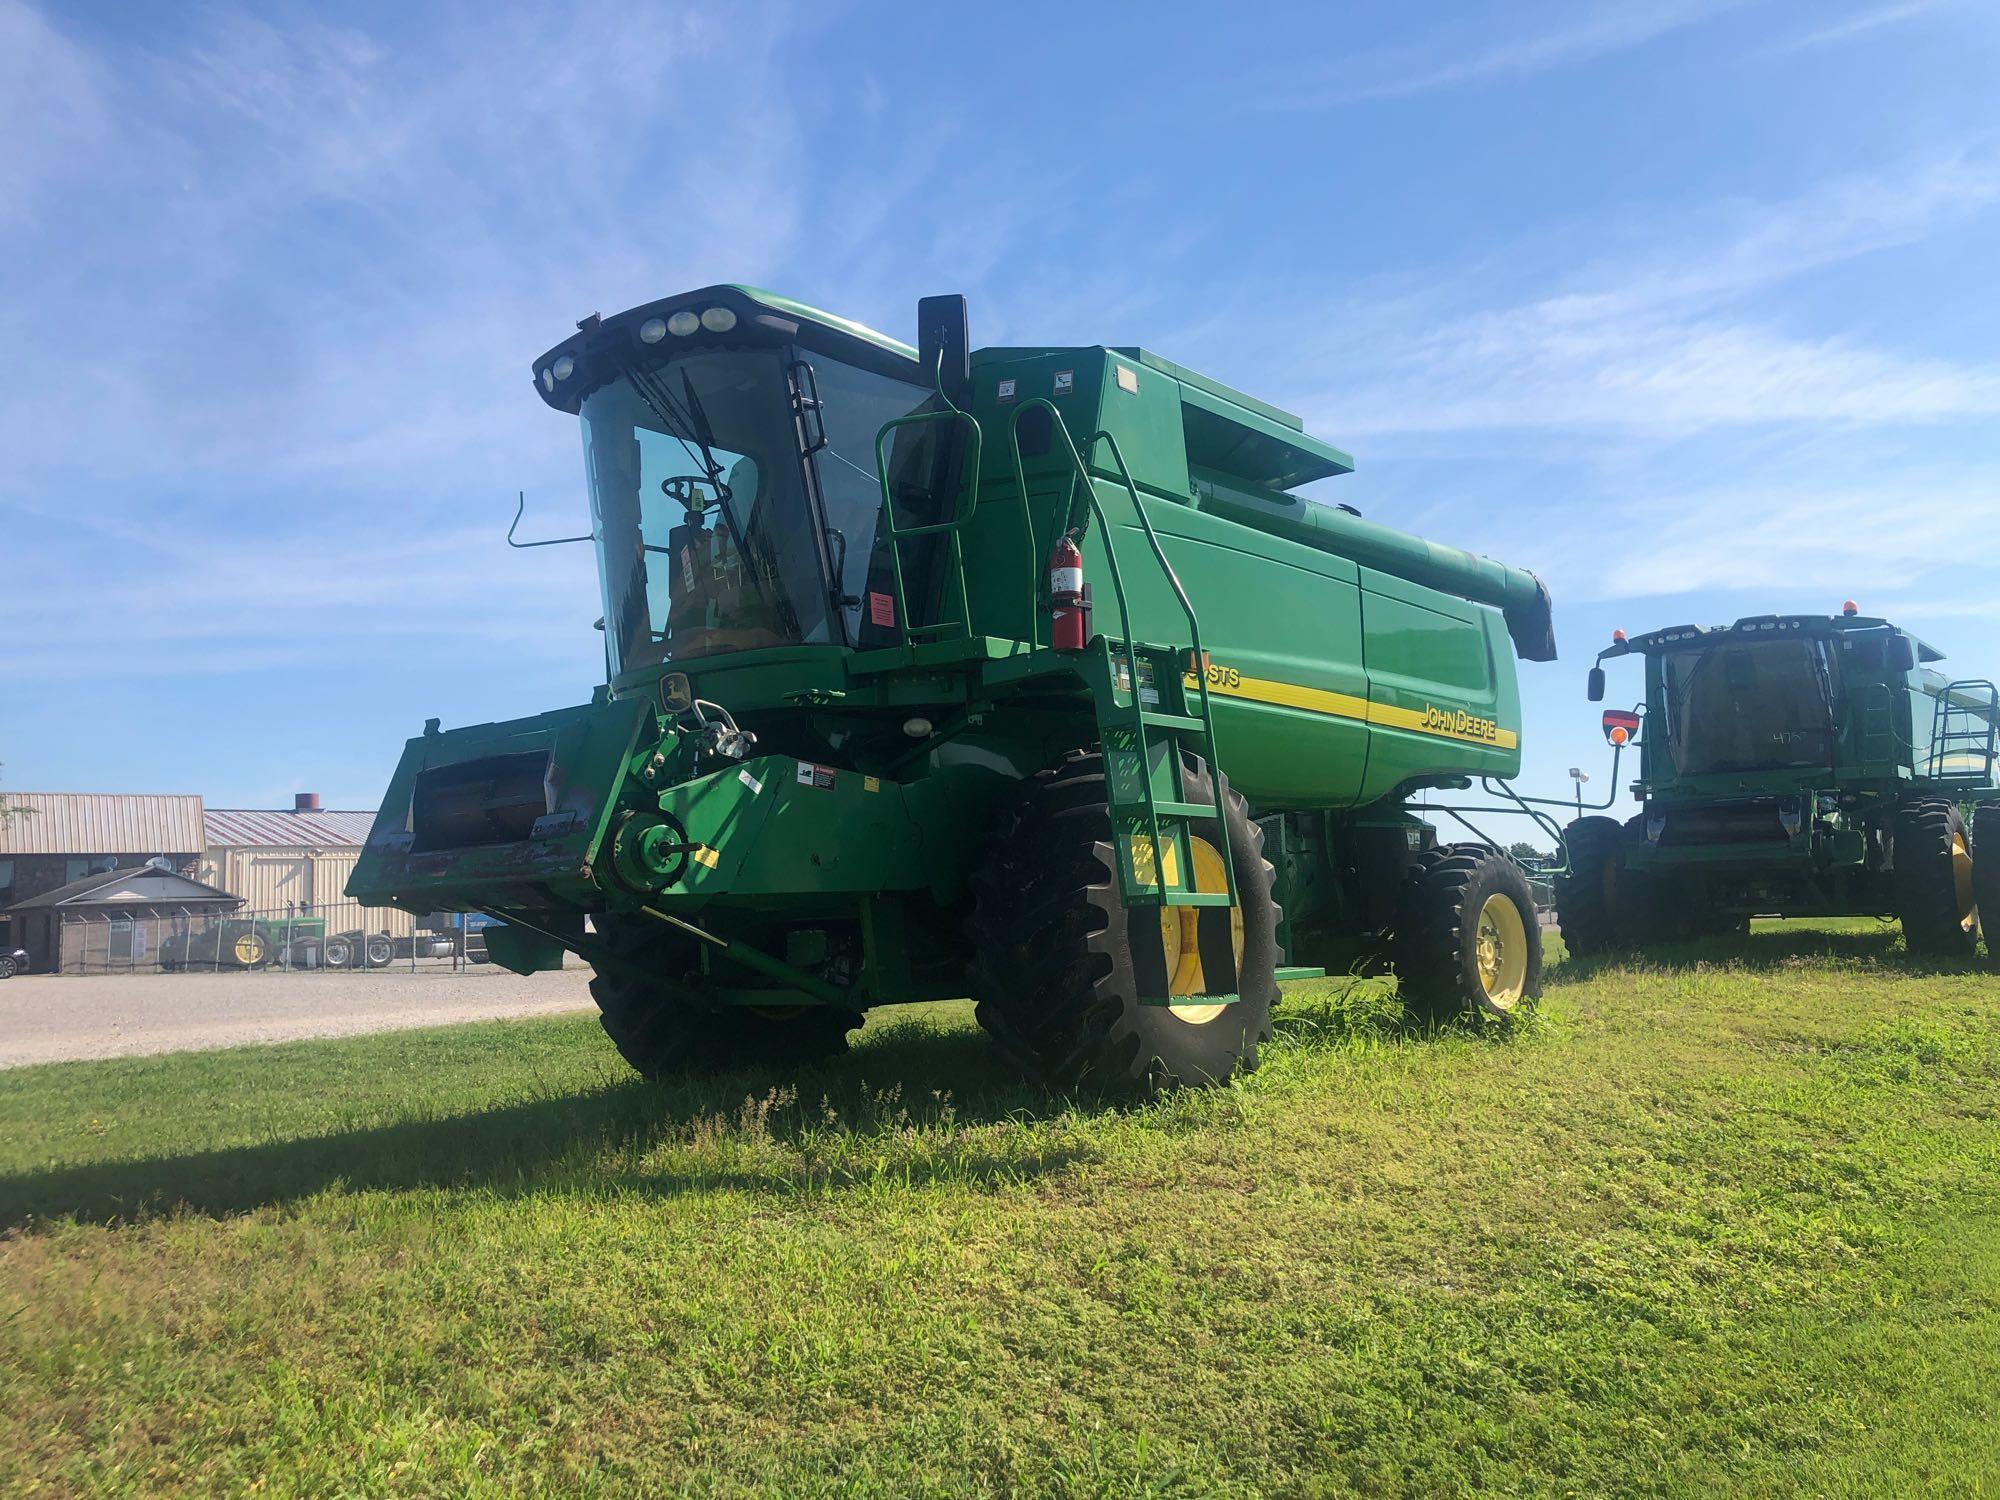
column 13, row 961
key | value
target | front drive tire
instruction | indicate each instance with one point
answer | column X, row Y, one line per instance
column 1587, row 894
column 1986, row 872
column 1932, row 874
column 661, row 1026
column 1063, row 968
column 1466, row 939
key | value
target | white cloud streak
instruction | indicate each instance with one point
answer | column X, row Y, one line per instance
column 1459, row 61
column 1861, row 23
column 1672, row 342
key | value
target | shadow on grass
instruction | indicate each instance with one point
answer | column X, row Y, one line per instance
column 1777, row 949
column 904, row 1106
column 911, row 1103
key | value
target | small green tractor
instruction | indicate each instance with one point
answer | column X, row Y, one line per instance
column 1020, row 673
column 1798, row 766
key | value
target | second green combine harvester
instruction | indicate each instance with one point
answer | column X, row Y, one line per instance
column 1793, row 765
column 921, row 664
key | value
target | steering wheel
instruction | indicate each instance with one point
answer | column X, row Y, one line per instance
column 689, row 489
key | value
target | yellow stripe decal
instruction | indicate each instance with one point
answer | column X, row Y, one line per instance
column 1446, row 723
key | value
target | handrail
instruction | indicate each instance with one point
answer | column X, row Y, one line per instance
column 955, row 526
column 1197, row 658
column 1081, row 470
column 1977, row 731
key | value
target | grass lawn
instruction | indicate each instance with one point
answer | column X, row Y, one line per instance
column 1728, row 1223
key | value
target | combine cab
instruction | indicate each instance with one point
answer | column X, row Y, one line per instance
column 1020, row 673
column 1793, row 765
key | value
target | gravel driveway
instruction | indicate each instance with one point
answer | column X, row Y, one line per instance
column 56, row 1018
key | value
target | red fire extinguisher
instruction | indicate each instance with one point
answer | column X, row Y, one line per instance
column 1069, row 599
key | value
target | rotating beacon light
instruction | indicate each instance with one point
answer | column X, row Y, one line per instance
column 1069, row 599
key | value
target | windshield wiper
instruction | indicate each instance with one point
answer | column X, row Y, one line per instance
column 680, row 424
column 760, row 561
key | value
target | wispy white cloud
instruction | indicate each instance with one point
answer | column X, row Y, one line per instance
column 52, row 107
column 1461, row 58
column 1676, row 339
column 1862, row 22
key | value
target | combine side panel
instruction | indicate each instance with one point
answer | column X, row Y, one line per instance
column 1282, row 628
column 1442, row 696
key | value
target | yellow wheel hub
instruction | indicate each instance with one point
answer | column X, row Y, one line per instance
column 249, row 948
column 1501, row 946
column 1961, row 877
column 1180, row 935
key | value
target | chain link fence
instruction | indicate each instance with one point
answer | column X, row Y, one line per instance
column 343, row 937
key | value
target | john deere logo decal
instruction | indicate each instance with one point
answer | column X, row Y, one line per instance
column 1448, row 723
column 1459, row 724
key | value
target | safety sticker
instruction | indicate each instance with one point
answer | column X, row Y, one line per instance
column 687, row 566
column 750, row 781
column 1065, row 382
column 871, row 783
column 818, row 777
column 703, row 855
column 1006, row 390
column 1128, row 379
column 881, row 609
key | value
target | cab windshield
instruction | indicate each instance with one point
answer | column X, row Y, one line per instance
column 1762, row 707
column 725, row 522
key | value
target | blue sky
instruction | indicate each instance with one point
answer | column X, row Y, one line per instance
column 1690, row 306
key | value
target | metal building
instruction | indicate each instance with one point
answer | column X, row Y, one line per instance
column 52, row 839
column 294, row 862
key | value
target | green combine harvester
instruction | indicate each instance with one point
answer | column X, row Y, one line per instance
column 1798, row 766
column 1018, row 673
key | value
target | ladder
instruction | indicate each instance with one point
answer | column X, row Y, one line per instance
column 1156, row 718
column 1143, row 745
column 1965, row 732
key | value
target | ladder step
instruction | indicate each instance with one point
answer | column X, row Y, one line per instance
column 1194, row 898
column 1168, row 809
column 1183, row 723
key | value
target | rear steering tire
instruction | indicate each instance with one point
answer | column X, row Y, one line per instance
column 1933, row 876
column 1466, row 939
column 1063, row 969
column 652, row 1010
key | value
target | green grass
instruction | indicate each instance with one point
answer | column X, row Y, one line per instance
column 1722, row 1224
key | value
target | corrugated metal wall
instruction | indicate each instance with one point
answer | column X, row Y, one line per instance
column 273, row 879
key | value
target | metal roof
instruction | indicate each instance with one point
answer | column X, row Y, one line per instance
column 101, row 823
column 251, row 828
column 140, row 886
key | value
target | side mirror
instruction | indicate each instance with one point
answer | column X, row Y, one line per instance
column 944, row 344
column 1595, row 685
column 1901, row 654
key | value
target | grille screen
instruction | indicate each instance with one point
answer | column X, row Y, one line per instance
column 492, row 800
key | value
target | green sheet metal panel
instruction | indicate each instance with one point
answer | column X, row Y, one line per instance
column 1282, row 627
column 1442, row 693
